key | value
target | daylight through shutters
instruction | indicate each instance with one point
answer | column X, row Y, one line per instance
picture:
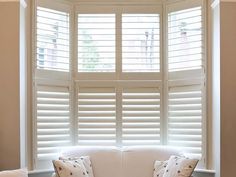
column 52, row 40
column 118, row 74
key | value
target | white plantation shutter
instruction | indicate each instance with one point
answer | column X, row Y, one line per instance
column 140, row 116
column 140, row 43
column 52, row 121
column 185, row 118
column 185, row 39
column 96, row 42
column 97, row 116
column 52, row 40
column 105, row 78
column 186, row 77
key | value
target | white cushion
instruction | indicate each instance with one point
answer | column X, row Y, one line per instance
column 139, row 161
column 14, row 173
column 180, row 167
column 159, row 168
column 86, row 161
column 70, row 168
column 106, row 161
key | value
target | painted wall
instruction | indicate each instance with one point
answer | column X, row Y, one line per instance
column 9, row 86
column 228, row 88
column 9, row 89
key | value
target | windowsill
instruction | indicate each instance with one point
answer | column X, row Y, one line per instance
column 204, row 171
column 40, row 171
column 51, row 171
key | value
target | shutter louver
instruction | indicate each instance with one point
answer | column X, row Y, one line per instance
column 140, row 116
column 52, row 51
column 185, row 118
column 140, row 43
column 97, row 116
column 185, row 40
column 53, row 120
column 96, row 42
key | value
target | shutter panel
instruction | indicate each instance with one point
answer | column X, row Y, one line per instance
column 185, row 40
column 97, row 116
column 96, row 42
column 52, row 50
column 185, row 118
column 53, row 120
column 141, row 116
column 140, row 43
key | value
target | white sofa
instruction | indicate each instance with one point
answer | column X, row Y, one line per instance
column 125, row 162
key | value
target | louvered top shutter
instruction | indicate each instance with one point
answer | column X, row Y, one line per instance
column 53, row 121
column 185, row 40
column 96, row 42
column 140, row 43
column 140, row 116
column 52, row 40
column 185, row 118
column 96, row 116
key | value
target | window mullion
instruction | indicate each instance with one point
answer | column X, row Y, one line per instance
column 118, row 77
column 119, row 116
column 164, row 74
column 118, row 45
column 73, row 69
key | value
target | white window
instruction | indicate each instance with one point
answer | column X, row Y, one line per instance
column 96, row 42
column 118, row 75
column 186, row 77
column 52, row 39
column 140, row 43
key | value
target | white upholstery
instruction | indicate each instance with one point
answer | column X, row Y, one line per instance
column 139, row 161
column 14, row 173
column 106, row 162
column 126, row 162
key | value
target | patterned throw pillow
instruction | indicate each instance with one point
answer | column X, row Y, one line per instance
column 86, row 162
column 70, row 168
column 180, row 167
column 159, row 168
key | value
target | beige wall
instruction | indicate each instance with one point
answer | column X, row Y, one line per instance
column 9, row 86
column 228, row 88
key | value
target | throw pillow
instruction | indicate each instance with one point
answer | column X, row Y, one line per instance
column 159, row 168
column 86, row 161
column 70, row 168
column 180, row 167
column 14, row 173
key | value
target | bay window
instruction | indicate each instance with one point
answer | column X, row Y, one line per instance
column 118, row 75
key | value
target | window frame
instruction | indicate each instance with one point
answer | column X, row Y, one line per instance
column 73, row 78
column 184, row 78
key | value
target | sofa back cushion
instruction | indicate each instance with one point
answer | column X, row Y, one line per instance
column 106, row 161
column 139, row 161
